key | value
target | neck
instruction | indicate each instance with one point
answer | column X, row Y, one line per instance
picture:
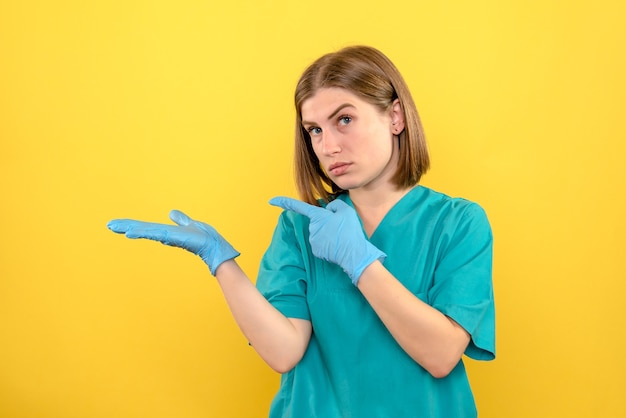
column 373, row 205
column 376, row 198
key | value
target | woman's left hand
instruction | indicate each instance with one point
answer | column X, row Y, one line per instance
column 336, row 235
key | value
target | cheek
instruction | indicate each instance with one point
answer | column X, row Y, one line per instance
column 383, row 142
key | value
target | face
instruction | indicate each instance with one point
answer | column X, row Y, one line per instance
column 353, row 140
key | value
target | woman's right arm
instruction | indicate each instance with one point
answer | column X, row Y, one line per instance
column 280, row 341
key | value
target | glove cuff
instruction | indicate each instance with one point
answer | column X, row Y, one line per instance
column 371, row 254
column 217, row 256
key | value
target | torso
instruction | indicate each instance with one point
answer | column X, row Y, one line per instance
column 350, row 350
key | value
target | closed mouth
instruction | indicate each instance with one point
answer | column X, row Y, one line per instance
column 338, row 169
column 335, row 165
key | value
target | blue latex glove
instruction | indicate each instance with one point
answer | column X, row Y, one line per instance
column 196, row 237
column 336, row 235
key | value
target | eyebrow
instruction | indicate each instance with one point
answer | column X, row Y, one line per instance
column 332, row 115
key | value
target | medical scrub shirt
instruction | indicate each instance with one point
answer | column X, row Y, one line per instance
column 438, row 247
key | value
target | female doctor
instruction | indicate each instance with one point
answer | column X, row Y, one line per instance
column 373, row 286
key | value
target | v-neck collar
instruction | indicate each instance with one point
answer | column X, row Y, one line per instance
column 396, row 207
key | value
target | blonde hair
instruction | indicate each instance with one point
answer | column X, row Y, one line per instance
column 369, row 74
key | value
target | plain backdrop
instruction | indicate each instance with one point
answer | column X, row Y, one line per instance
column 131, row 108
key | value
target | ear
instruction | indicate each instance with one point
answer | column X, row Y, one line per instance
column 397, row 117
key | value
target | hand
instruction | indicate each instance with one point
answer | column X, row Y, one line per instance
column 196, row 237
column 336, row 235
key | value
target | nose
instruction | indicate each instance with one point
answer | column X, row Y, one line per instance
column 330, row 143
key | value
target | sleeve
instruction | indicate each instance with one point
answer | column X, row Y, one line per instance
column 282, row 277
column 463, row 288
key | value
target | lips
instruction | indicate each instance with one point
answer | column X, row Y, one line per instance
column 338, row 169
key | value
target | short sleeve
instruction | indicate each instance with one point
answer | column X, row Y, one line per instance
column 463, row 288
column 282, row 277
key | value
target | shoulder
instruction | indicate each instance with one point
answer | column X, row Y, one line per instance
column 441, row 205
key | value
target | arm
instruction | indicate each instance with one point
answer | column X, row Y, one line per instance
column 433, row 340
column 280, row 341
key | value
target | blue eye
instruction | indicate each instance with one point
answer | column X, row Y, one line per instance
column 345, row 120
column 314, row 130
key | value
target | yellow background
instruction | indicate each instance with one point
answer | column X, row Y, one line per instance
column 131, row 108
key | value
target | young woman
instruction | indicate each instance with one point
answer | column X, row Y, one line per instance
column 373, row 286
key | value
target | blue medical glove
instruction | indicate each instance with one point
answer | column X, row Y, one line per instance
column 196, row 237
column 336, row 235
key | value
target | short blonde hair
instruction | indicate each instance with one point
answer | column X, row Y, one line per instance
column 369, row 74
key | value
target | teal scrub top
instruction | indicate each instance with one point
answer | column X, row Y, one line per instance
column 438, row 247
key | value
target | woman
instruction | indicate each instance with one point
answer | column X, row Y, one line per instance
column 373, row 287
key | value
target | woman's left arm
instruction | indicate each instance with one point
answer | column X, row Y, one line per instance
column 432, row 339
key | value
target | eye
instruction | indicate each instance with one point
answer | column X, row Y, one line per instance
column 314, row 130
column 344, row 120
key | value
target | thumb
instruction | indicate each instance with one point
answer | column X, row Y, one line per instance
column 180, row 218
column 338, row 205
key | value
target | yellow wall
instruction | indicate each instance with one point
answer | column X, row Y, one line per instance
column 129, row 109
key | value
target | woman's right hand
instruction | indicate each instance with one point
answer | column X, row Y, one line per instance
column 194, row 236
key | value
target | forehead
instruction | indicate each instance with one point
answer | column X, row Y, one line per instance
column 326, row 100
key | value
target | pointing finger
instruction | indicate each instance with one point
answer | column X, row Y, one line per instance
column 297, row 206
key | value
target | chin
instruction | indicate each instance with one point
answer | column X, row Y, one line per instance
column 347, row 186
column 348, row 182
column 343, row 183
